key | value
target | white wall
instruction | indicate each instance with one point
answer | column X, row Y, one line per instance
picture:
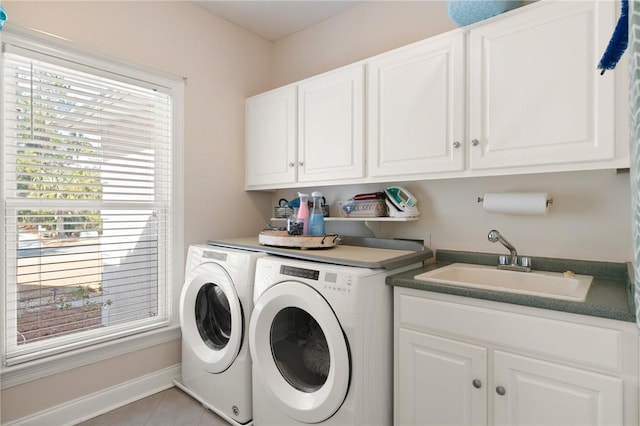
column 590, row 218
column 223, row 65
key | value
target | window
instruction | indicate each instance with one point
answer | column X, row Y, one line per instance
column 87, row 188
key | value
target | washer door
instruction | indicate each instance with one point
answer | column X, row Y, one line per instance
column 211, row 317
column 300, row 352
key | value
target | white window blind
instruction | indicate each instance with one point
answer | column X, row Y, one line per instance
column 86, row 176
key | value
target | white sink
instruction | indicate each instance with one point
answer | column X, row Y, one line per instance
column 556, row 285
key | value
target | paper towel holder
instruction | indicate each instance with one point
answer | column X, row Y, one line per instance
column 549, row 201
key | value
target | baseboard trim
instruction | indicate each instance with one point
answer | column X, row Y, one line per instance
column 93, row 405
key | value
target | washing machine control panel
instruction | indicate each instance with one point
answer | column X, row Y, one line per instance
column 340, row 283
column 337, row 282
column 293, row 271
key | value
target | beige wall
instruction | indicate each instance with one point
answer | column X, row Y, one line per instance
column 223, row 65
column 362, row 31
column 32, row 397
column 591, row 215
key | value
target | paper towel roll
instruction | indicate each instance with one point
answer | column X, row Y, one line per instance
column 534, row 203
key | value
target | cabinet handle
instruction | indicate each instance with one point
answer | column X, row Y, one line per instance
column 500, row 390
column 475, row 142
column 456, row 144
column 300, row 163
column 477, row 384
column 291, row 164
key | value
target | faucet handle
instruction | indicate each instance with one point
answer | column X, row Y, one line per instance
column 525, row 262
column 503, row 260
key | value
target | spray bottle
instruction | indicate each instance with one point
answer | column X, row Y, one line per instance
column 303, row 212
column 316, row 219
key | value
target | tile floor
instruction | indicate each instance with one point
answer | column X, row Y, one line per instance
column 171, row 407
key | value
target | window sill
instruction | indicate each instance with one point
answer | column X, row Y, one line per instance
column 33, row 370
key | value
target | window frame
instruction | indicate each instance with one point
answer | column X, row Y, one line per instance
column 55, row 46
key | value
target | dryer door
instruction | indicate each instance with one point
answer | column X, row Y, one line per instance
column 299, row 351
column 211, row 317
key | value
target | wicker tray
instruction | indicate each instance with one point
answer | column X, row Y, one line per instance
column 283, row 239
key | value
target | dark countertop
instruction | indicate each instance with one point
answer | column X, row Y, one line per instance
column 610, row 295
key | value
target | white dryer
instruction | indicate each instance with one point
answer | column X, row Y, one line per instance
column 215, row 307
column 321, row 343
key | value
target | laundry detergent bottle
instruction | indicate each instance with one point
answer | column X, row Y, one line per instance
column 316, row 219
column 303, row 212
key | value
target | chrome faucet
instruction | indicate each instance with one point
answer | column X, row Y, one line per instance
column 524, row 264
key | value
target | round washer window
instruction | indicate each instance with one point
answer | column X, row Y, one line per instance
column 213, row 316
column 300, row 349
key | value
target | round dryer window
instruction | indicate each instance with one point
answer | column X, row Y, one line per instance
column 211, row 317
column 299, row 351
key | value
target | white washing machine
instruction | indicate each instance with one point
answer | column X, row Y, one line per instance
column 215, row 307
column 321, row 341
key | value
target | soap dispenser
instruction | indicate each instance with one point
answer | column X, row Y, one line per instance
column 316, row 219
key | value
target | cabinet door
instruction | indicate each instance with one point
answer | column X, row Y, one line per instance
column 534, row 392
column 271, row 138
column 536, row 96
column 415, row 109
column 439, row 381
column 331, row 122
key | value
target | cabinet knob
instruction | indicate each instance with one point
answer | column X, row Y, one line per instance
column 291, row 164
column 500, row 390
column 475, row 142
column 300, row 163
column 456, row 144
column 477, row 384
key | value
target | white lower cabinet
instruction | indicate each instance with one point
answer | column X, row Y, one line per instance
column 440, row 382
column 534, row 392
column 461, row 361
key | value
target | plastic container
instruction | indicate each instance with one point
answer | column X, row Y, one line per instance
column 362, row 208
column 316, row 218
column 294, row 227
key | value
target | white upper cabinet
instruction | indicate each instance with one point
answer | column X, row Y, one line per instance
column 270, row 140
column 517, row 93
column 308, row 133
column 416, row 108
column 331, row 126
column 535, row 95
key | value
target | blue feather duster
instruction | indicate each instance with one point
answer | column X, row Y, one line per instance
column 618, row 43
